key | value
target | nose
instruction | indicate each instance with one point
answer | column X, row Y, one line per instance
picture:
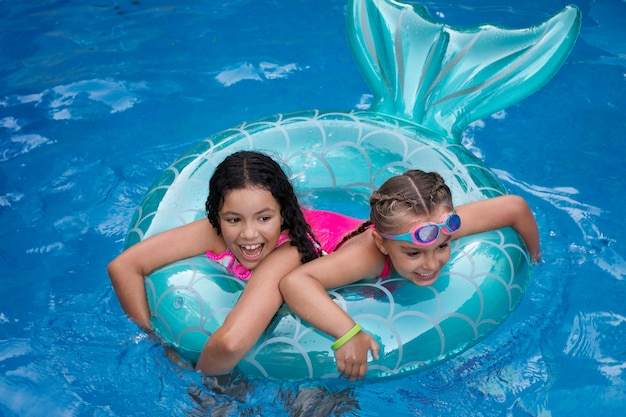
column 430, row 261
column 248, row 231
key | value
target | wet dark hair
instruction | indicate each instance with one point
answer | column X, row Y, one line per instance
column 249, row 168
column 415, row 192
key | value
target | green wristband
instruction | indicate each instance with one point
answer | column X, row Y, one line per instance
column 349, row 335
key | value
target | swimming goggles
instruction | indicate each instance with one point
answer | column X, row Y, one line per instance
column 426, row 233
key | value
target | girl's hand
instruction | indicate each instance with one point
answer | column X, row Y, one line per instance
column 127, row 270
column 537, row 257
column 352, row 356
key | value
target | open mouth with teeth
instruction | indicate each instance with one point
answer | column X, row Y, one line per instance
column 431, row 276
column 251, row 253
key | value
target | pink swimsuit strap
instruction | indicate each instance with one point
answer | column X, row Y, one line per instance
column 386, row 269
column 227, row 260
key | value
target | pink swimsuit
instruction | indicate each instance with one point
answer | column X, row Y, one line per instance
column 228, row 260
column 328, row 227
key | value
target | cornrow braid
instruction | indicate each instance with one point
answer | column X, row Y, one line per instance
column 439, row 191
column 362, row 227
column 414, row 193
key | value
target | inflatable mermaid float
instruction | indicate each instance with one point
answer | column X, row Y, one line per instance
column 429, row 81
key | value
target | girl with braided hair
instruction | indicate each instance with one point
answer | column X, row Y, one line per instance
column 412, row 221
column 254, row 227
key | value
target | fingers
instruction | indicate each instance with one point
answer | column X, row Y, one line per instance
column 374, row 348
column 352, row 356
column 537, row 257
column 352, row 371
column 357, row 372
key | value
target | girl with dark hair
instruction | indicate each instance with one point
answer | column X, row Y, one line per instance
column 254, row 227
column 412, row 221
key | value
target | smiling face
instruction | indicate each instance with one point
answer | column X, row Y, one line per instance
column 250, row 222
column 419, row 264
column 402, row 203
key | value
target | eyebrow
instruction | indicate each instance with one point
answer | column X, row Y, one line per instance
column 262, row 211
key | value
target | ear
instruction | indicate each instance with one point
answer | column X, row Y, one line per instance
column 380, row 242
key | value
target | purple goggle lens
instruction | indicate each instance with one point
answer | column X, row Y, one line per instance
column 426, row 233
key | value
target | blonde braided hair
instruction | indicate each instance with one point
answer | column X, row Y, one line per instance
column 414, row 193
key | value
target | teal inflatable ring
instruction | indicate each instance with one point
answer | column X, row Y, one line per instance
column 429, row 81
column 415, row 326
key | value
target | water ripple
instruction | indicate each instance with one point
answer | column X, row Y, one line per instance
column 600, row 336
column 597, row 247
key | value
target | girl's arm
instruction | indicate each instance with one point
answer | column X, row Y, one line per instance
column 304, row 290
column 247, row 321
column 127, row 271
column 495, row 213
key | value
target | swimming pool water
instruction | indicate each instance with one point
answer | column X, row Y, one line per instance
column 97, row 98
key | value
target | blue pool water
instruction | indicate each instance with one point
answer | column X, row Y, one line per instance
column 97, row 98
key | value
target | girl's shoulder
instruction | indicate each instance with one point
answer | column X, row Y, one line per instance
column 283, row 238
column 364, row 238
column 362, row 247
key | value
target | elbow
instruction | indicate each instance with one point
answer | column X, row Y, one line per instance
column 123, row 266
column 287, row 285
column 118, row 271
column 519, row 213
column 526, row 225
column 221, row 353
column 284, row 284
column 226, row 345
column 519, row 204
column 113, row 269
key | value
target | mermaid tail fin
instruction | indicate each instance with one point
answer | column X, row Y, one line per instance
column 443, row 78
